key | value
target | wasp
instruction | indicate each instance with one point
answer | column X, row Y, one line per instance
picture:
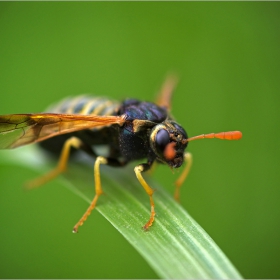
column 131, row 130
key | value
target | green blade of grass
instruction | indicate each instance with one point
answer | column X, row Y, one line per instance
column 175, row 246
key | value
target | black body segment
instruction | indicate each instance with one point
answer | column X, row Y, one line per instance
column 135, row 109
column 135, row 145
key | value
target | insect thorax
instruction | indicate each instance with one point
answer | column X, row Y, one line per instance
column 134, row 143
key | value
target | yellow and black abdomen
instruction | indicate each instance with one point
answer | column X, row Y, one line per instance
column 85, row 105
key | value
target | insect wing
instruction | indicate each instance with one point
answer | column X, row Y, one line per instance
column 165, row 95
column 21, row 129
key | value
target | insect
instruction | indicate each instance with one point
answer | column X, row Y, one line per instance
column 131, row 130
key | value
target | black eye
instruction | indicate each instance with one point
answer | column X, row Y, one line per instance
column 162, row 139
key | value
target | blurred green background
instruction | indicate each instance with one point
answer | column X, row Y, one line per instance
column 227, row 56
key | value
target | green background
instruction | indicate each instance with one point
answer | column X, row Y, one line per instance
column 228, row 60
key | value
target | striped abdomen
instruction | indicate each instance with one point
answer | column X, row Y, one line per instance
column 86, row 105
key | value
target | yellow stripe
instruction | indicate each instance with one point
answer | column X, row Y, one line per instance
column 73, row 102
column 110, row 111
column 85, row 110
column 99, row 108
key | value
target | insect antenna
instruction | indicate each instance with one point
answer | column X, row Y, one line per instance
column 228, row 135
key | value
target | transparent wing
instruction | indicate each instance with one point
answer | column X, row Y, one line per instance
column 165, row 95
column 21, row 129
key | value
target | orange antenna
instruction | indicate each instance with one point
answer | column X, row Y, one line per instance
column 228, row 135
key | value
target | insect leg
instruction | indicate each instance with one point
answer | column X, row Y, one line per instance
column 138, row 170
column 183, row 176
column 62, row 163
column 98, row 191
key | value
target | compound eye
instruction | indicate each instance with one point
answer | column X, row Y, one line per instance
column 162, row 139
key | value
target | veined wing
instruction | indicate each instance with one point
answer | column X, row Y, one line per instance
column 21, row 129
column 166, row 92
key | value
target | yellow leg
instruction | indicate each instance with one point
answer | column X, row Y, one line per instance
column 183, row 176
column 138, row 170
column 98, row 191
column 62, row 164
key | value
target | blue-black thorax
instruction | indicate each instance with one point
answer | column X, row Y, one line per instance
column 135, row 145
